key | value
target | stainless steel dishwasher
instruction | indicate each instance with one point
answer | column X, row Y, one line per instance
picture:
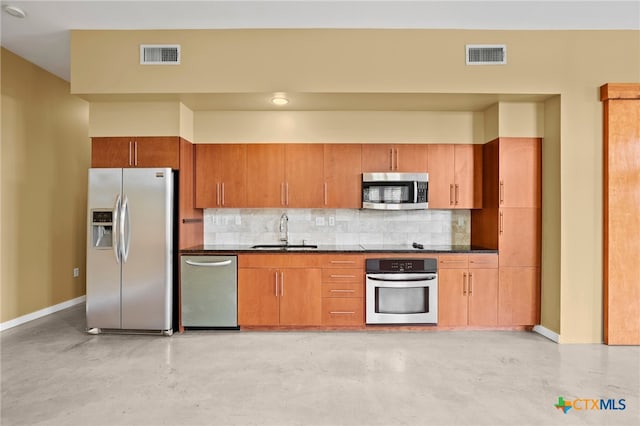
column 209, row 290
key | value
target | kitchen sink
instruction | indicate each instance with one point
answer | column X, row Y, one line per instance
column 285, row 246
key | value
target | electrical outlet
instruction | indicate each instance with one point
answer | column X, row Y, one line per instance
column 319, row 221
column 76, row 272
column 332, row 221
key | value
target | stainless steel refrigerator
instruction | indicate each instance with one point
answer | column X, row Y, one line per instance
column 130, row 250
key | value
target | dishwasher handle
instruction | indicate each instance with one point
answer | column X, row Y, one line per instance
column 208, row 264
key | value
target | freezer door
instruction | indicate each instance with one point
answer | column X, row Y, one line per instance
column 147, row 249
column 103, row 269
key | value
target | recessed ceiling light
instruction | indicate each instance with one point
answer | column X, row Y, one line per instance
column 279, row 100
column 14, row 11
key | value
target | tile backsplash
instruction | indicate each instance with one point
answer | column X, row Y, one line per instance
column 337, row 226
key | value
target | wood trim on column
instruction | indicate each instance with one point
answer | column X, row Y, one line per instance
column 621, row 213
column 620, row 91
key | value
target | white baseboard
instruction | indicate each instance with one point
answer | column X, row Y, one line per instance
column 41, row 313
column 544, row 331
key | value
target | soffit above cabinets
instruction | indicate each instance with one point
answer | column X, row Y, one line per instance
column 329, row 101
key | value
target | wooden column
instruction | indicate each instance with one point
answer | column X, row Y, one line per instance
column 621, row 213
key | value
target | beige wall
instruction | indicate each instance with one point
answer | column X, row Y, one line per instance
column 45, row 156
column 134, row 119
column 571, row 64
column 550, row 314
column 336, row 126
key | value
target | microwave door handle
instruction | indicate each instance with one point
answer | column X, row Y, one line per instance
column 415, row 192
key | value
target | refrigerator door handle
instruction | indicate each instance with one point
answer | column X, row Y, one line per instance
column 125, row 230
column 115, row 227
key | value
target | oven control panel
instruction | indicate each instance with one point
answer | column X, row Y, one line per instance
column 402, row 265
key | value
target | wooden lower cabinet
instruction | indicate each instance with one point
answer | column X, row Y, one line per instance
column 468, row 290
column 342, row 311
column 343, row 290
column 286, row 296
column 519, row 296
column 258, row 303
column 289, row 293
column 300, row 301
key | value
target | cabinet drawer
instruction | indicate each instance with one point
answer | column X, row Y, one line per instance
column 488, row 261
column 342, row 261
column 342, row 275
column 342, row 311
column 453, row 261
column 277, row 261
column 342, row 289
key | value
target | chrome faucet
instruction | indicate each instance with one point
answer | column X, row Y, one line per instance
column 284, row 228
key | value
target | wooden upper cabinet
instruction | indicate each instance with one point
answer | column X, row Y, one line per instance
column 394, row 158
column 156, row 151
column 440, row 166
column 342, row 176
column 111, row 152
column 265, row 175
column 304, row 180
column 455, row 176
column 520, row 172
column 221, row 174
column 147, row 151
column 467, row 191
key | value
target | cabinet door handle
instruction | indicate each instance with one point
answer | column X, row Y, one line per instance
column 325, row 193
column 390, row 158
column 397, row 158
column 342, row 276
column 501, row 223
column 276, row 283
column 470, row 283
column 282, row 193
column 281, row 284
column 222, row 186
column 464, row 283
column 450, row 194
column 341, row 312
column 501, row 192
column 341, row 291
column 135, row 153
column 457, row 194
column 130, row 153
column 286, row 193
column 341, row 262
column 217, row 194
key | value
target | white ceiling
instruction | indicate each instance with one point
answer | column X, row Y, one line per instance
column 42, row 37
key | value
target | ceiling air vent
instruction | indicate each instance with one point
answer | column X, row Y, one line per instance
column 484, row 54
column 157, row 54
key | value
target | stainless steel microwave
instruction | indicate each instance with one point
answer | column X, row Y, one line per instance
column 395, row 191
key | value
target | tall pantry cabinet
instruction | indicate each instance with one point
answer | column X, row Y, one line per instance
column 511, row 221
column 621, row 190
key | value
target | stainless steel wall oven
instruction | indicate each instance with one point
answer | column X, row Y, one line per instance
column 402, row 291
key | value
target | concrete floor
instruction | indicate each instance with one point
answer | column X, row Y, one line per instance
column 55, row 374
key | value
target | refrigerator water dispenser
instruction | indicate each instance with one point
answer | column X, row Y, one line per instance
column 101, row 229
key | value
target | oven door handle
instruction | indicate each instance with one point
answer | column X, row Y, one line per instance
column 401, row 277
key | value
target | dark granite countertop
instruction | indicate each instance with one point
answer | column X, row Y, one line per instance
column 325, row 248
